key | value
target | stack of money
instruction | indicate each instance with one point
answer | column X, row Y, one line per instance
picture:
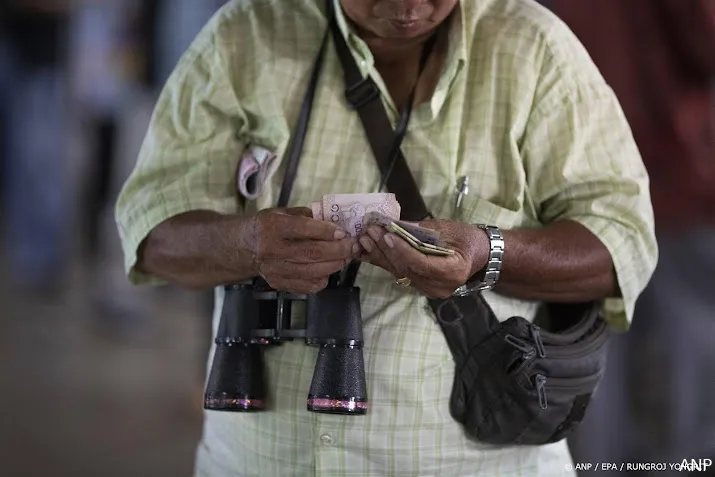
column 420, row 238
column 355, row 212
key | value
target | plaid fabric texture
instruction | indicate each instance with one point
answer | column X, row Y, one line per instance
column 519, row 108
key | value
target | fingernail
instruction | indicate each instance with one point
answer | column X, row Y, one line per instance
column 340, row 234
column 356, row 249
column 389, row 240
column 366, row 244
column 374, row 233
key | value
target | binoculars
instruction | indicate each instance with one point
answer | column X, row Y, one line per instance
column 255, row 316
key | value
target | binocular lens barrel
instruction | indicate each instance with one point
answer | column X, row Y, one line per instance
column 338, row 385
column 333, row 324
column 236, row 381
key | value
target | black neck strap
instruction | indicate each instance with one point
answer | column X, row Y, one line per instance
column 295, row 149
column 363, row 95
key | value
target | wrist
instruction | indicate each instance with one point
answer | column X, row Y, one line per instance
column 244, row 238
column 487, row 262
column 480, row 257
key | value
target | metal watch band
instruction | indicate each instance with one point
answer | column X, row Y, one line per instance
column 494, row 263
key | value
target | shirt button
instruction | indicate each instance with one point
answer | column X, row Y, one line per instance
column 326, row 440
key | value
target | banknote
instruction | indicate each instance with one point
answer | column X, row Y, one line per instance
column 349, row 210
column 426, row 248
column 422, row 234
column 356, row 212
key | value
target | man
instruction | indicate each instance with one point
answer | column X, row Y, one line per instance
column 36, row 184
column 508, row 98
column 658, row 55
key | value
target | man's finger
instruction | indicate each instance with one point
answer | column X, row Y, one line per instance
column 300, row 227
column 401, row 255
column 398, row 267
column 374, row 256
column 323, row 269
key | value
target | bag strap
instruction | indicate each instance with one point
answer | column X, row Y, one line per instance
column 295, row 148
column 363, row 95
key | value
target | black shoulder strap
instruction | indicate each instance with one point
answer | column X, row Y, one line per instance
column 364, row 96
column 298, row 139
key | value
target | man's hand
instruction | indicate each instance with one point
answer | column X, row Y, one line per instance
column 435, row 276
column 287, row 247
column 294, row 252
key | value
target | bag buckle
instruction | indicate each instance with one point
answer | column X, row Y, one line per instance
column 361, row 93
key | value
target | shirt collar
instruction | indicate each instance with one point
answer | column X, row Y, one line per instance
column 359, row 49
column 456, row 52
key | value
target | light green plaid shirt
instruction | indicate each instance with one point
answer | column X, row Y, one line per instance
column 519, row 108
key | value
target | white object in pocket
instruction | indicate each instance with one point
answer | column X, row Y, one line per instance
column 253, row 170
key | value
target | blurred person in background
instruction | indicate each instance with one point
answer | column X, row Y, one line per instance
column 113, row 72
column 36, row 183
column 656, row 400
column 4, row 96
column 104, row 65
column 110, row 65
column 122, row 51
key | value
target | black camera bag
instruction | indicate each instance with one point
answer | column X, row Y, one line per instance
column 515, row 382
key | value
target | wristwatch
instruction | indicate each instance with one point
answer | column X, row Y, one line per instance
column 489, row 275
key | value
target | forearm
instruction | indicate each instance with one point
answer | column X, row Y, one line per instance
column 563, row 262
column 199, row 249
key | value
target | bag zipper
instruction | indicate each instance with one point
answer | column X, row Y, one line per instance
column 535, row 332
column 567, row 384
column 528, row 352
column 543, row 384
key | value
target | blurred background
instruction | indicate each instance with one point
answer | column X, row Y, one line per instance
column 98, row 378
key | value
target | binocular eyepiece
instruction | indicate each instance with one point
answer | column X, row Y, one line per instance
column 255, row 316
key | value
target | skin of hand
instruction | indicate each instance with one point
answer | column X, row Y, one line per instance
column 561, row 262
column 287, row 247
column 434, row 276
column 293, row 252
